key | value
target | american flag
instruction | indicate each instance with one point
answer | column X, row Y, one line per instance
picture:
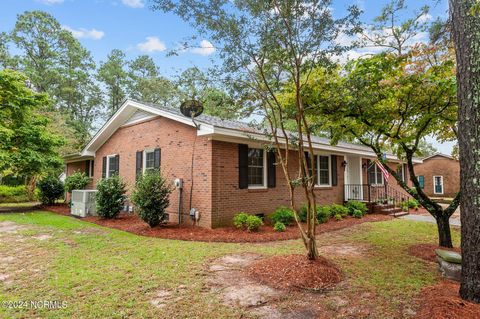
column 385, row 173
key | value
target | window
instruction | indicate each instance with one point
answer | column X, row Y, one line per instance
column 256, row 168
column 421, row 181
column 438, row 185
column 323, row 170
column 112, row 168
column 149, row 159
column 375, row 176
column 89, row 168
column 401, row 171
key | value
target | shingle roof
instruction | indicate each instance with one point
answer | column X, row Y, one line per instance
column 245, row 127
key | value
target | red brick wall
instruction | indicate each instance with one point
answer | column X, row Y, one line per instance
column 440, row 166
column 176, row 141
column 229, row 200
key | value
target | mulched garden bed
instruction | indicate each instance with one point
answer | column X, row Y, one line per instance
column 62, row 209
column 427, row 251
column 442, row 301
column 294, row 272
column 132, row 223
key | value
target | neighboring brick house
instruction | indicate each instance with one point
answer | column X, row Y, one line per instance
column 439, row 175
column 231, row 170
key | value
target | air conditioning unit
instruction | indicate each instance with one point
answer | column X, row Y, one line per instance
column 83, row 203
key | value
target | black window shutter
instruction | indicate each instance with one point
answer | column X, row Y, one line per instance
column 157, row 158
column 87, row 168
column 242, row 166
column 271, row 171
column 334, row 170
column 371, row 177
column 405, row 173
column 104, row 167
column 117, row 167
column 138, row 164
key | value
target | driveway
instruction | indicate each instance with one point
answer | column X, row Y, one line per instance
column 429, row 219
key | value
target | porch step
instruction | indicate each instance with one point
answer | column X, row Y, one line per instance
column 384, row 208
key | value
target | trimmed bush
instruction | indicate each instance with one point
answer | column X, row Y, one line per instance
column 354, row 205
column 413, row 203
column 13, row 194
column 110, row 196
column 77, row 180
column 280, row 227
column 302, row 213
column 339, row 209
column 338, row 217
column 253, row 223
column 240, row 220
column 151, row 198
column 51, row 189
column 357, row 213
column 323, row 214
column 283, row 215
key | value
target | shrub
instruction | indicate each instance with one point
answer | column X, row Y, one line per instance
column 77, row 180
column 253, row 223
column 151, row 198
column 413, row 203
column 110, row 196
column 283, row 215
column 323, row 214
column 302, row 213
column 357, row 213
column 51, row 189
column 13, row 194
column 338, row 217
column 339, row 209
column 354, row 205
column 240, row 220
column 280, row 227
column 404, row 206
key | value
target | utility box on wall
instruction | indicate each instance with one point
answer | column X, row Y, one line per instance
column 83, row 203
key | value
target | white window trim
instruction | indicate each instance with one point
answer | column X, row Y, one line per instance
column 376, row 172
column 317, row 182
column 107, row 172
column 144, row 159
column 441, row 182
column 264, row 186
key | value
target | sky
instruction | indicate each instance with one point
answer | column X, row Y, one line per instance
column 130, row 25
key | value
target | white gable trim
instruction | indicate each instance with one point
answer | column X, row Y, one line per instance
column 441, row 155
column 126, row 110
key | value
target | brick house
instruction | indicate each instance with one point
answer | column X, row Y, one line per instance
column 231, row 172
column 439, row 175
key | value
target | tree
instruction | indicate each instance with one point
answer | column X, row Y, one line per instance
column 394, row 103
column 56, row 63
column 263, row 45
column 465, row 17
column 27, row 148
column 113, row 74
column 146, row 84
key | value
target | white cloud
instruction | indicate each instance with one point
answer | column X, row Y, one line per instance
column 83, row 33
column 152, row 44
column 133, row 3
column 205, row 48
column 50, row 2
column 425, row 17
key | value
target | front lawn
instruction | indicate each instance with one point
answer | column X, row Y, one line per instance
column 103, row 273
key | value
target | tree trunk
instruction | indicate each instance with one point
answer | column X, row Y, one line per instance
column 444, row 234
column 312, row 251
column 31, row 185
column 466, row 35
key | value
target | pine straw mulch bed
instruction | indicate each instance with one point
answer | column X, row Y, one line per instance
column 442, row 301
column 133, row 224
column 427, row 251
column 295, row 272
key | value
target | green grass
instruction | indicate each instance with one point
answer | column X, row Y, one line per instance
column 22, row 204
column 105, row 273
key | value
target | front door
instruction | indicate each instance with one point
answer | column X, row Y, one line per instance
column 438, row 184
column 353, row 178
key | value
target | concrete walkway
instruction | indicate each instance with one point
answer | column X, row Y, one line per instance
column 430, row 219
